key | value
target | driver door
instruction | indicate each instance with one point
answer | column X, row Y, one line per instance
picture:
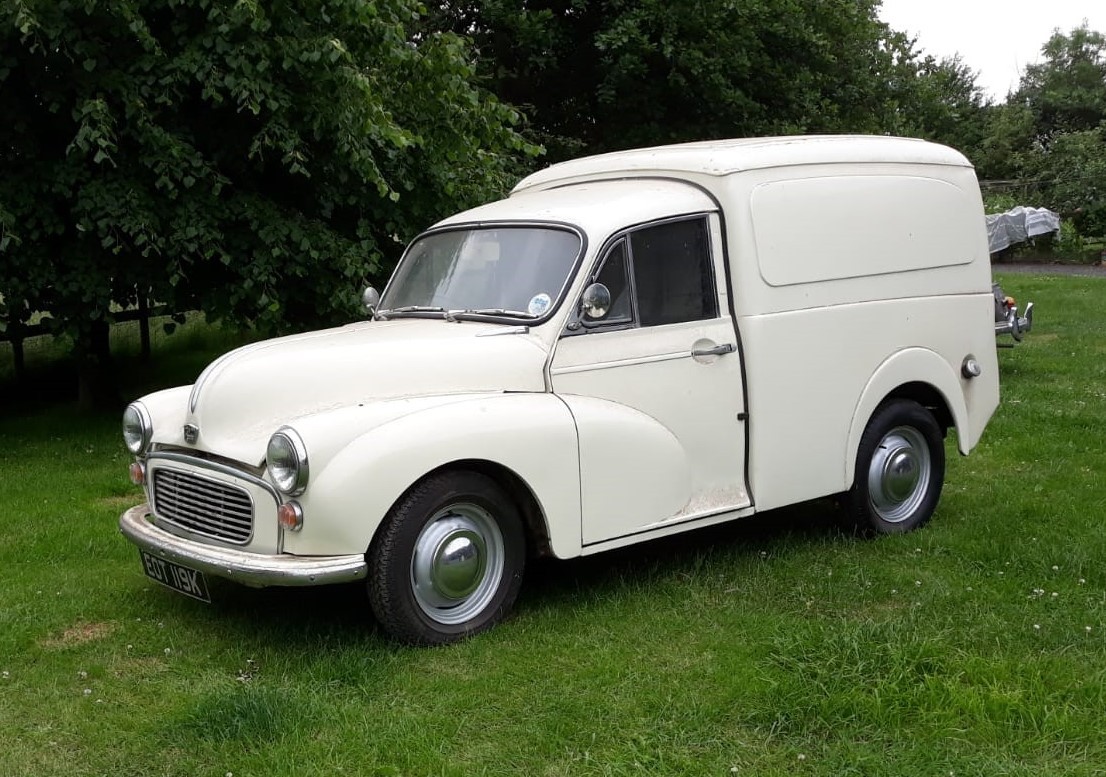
column 655, row 384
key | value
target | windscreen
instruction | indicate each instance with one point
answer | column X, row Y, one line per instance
column 510, row 270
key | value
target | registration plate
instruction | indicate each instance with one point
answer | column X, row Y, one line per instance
column 189, row 582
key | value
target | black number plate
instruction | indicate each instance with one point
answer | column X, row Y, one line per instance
column 189, row 582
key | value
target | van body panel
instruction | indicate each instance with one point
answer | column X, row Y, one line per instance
column 812, row 383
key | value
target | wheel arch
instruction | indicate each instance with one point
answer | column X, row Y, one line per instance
column 916, row 374
column 534, row 522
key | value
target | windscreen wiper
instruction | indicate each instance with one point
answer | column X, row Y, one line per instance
column 414, row 309
column 493, row 312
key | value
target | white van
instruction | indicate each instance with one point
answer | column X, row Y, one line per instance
column 629, row 346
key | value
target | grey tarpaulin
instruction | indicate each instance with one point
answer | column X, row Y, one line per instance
column 1018, row 225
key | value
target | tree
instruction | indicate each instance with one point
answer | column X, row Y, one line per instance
column 1069, row 176
column 1008, row 138
column 597, row 75
column 1066, row 92
column 1055, row 127
column 257, row 161
column 940, row 100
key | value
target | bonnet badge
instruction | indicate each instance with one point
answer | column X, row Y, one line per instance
column 191, row 433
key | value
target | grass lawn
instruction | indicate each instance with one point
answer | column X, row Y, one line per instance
column 976, row 646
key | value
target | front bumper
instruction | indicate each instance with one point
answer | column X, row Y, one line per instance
column 252, row 569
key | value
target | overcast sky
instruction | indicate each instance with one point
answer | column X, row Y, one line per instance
column 996, row 38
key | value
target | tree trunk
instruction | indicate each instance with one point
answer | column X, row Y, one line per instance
column 97, row 387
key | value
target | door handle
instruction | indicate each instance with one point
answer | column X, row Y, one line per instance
column 717, row 350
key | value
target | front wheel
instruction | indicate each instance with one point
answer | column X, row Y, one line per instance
column 448, row 560
column 900, row 469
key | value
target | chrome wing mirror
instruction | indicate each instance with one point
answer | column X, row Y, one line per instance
column 370, row 299
column 596, row 301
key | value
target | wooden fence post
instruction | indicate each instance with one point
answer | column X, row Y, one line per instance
column 144, row 327
column 17, row 352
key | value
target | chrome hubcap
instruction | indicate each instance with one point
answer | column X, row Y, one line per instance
column 457, row 564
column 457, row 567
column 899, row 474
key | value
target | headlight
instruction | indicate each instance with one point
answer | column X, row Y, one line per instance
column 286, row 458
column 137, row 428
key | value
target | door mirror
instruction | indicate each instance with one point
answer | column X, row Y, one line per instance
column 596, row 301
column 370, row 299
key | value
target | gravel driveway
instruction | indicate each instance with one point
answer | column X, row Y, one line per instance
column 1085, row 270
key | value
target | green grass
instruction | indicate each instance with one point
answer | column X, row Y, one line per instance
column 976, row 646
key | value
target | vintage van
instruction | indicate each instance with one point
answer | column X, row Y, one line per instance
column 628, row 346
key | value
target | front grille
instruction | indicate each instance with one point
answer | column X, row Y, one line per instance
column 203, row 505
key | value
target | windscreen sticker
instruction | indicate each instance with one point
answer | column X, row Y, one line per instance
column 539, row 303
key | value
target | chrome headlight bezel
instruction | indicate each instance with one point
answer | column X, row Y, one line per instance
column 138, row 428
column 286, row 461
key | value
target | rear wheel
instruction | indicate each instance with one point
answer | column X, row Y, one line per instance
column 448, row 560
column 900, row 469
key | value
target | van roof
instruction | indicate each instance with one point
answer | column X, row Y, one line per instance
column 722, row 157
column 598, row 207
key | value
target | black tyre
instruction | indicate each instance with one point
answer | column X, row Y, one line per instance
column 448, row 560
column 900, row 469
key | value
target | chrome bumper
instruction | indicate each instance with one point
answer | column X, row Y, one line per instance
column 1014, row 324
column 252, row 569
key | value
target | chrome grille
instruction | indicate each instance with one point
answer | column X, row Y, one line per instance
column 203, row 505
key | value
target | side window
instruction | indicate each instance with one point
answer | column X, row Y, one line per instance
column 672, row 273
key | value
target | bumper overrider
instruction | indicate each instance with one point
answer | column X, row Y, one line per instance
column 252, row 569
column 1014, row 324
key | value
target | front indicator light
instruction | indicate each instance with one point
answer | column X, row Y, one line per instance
column 290, row 516
column 138, row 473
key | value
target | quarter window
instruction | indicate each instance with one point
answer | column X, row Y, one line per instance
column 615, row 277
